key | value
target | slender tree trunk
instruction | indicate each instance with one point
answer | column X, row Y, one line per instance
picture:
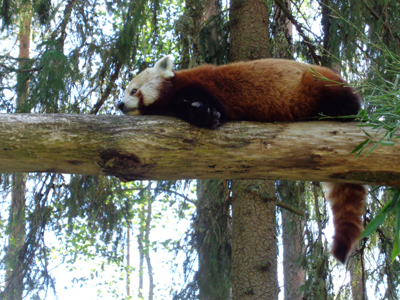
column 291, row 192
column 128, row 261
column 254, row 248
column 321, row 265
column 147, row 241
column 326, row 59
column 357, row 280
column 24, row 55
column 16, row 227
column 16, row 230
column 141, row 254
column 144, row 247
column 212, row 225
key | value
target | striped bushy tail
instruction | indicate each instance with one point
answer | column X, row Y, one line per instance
column 348, row 205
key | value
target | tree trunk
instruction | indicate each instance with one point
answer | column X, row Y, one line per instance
column 357, row 280
column 128, row 261
column 141, row 252
column 16, row 240
column 291, row 193
column 213, row 237
column 254, row 248
column 147, row 242
column 321, row 264
column 326, row 58
column 249, row 32
column 16, row 227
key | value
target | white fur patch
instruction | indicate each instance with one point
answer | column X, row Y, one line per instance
column 148, row 84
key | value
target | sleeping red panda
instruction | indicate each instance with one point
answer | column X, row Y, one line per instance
column 266, row 90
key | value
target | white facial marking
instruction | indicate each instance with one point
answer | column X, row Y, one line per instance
column 147, row 85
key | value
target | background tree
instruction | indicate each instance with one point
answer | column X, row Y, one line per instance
column 293, row 235
column 254, row 272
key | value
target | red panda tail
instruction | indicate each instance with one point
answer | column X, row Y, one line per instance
column 347, row 202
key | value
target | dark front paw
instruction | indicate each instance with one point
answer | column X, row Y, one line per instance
column 202, row 115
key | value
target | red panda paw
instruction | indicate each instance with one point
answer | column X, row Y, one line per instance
column 200, row 114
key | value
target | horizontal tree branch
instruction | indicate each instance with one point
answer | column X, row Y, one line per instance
column 154, row 147
column 19, row 70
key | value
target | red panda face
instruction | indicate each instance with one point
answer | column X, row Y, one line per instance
column 144, row 89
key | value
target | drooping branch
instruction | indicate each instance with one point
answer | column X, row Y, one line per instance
column 154, row 147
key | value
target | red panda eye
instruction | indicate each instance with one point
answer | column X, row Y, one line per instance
column 133, row 92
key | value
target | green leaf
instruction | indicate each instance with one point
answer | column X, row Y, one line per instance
column 387, row 143
column 381, row 216
column 361, row 146
column 396, row 246
column 375, row 223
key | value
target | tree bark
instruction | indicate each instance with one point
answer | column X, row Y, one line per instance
column 141, row 246
column 254, row 248
column 16, row 226
column 249, row 30
column 128, row 261
column 15, row 250
column 150, row 147
column 291, row 193
column 357, row 282
column 213, row 240
column 147, row 252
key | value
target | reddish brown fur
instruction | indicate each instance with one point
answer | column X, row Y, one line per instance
column 347, row 202
column 268, row 90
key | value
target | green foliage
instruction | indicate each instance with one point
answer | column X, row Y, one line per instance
column 382, row 99
column 43, row 10
column 53, row 85
column 7, row 11
column 11, row 11
column 97, row 201
column 377, row 221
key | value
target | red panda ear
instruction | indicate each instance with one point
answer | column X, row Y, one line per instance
column 165, row 67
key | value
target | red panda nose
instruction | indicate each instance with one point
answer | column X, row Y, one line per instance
column 120, row 105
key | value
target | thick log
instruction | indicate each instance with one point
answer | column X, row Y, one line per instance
column 154, row 147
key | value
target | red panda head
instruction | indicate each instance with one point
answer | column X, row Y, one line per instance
column 144, row 89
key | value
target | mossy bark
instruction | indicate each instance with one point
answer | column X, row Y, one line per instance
column 166, row 148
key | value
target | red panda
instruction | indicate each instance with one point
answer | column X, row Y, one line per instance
column 266, row 90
